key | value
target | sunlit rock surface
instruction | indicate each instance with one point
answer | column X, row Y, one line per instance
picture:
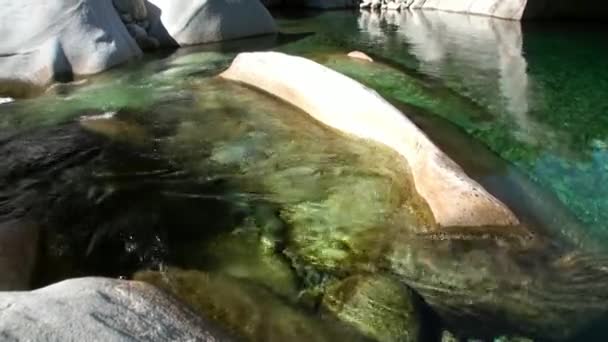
column 95, row 309
column 185, row 22
column 454, row 199
column 47, row 40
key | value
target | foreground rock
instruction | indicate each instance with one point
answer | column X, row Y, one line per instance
column 344, row 104
column 185, row 22
column 44, row 41
column 98, row 309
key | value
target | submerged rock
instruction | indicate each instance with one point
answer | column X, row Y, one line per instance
column 344, row 104
column 185, row 22
column 99, row 309
column 481, row 279
column 246, row 253
column 45, row 41
column 18, row 252
column 360, row 55
column 376, row 305
column 246, row 310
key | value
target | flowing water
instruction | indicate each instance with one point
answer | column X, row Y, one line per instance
column 161, row 171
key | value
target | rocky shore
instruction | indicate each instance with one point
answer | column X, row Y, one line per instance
column 58, row 41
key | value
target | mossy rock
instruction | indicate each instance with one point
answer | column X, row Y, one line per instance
column 248, row 253
column 245, row 309
column 378, row 306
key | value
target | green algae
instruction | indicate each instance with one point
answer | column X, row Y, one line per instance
column 246, row 310
column 377, row 305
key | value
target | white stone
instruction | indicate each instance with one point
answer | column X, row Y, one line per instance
column 42, row 39
column 6, row 100
column 346, row 105
column 365, row 4
column 191, row 22
column 393, row 6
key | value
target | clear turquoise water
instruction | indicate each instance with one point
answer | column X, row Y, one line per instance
column 538, row 92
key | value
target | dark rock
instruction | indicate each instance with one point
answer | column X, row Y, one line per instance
column 18, row 252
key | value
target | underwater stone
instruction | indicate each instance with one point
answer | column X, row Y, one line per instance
column 246, row 310
column 360, row 55
column 376, row 305
column 346, row 105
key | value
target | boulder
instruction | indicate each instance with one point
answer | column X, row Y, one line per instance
column 186, row 22
column 99, row 309
column 344, row 104
column 4, row 100
column 46, row 40
column 18, row 252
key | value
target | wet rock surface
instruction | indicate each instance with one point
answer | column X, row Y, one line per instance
column 247, row 310
column 94, row 309
column 377, row 305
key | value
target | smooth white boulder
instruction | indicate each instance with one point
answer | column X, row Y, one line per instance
column 346, row 105
column 6, row 100
column 42, row 39
column 360, row 55
column 191, row 22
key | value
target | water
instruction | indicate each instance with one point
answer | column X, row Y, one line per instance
column 537, row 92
column 160, row 171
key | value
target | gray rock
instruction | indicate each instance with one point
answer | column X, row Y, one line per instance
column 144, row 23
column 99, row 309
column 46, row 40
column 186, row 22
column 136, row 31
column 126, row 18
column 136, row 8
